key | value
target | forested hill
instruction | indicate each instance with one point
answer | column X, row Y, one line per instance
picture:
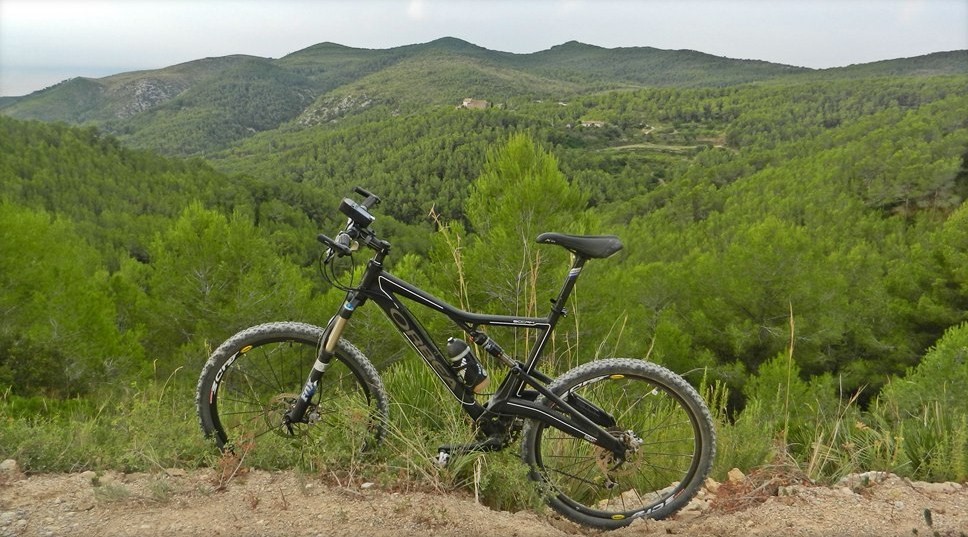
column 837, row 195
column 206, row 105
column 795, row 240
column 934, row 64
column 837, row 204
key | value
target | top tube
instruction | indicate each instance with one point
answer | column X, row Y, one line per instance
column 388, row 284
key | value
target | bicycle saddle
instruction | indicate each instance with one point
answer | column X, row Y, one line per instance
column 591, row 246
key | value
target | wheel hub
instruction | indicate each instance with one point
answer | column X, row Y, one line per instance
column 610, row 464
column 280, row 405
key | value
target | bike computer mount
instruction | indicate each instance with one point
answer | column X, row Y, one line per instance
column 357, row 213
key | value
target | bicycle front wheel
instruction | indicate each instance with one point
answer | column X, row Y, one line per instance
column 251, row 381
column 664, row 424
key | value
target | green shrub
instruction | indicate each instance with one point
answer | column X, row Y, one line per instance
column 929, row 406
column 941, row 378
column 745, row 442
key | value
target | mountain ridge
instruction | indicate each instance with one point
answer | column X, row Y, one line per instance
column 207, row 104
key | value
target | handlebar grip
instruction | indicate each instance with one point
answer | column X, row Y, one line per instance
column 333, row 245
column 363, row 192
column 370, row 200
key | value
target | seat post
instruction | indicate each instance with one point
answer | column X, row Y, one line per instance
column 558, row 307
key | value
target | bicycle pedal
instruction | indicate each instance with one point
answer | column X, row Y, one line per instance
column 443, row 457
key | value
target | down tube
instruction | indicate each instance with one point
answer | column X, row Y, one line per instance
column 418, row 338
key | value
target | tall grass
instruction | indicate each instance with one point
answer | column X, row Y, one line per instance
column 826, row 434
column 826, row 446
column 914, row 428
column 135, row 428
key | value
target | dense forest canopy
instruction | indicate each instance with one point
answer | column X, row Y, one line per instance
column 833, row 203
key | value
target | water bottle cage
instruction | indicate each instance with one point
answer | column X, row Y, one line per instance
column 466, row 365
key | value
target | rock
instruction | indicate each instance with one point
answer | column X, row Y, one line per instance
column 9, row 466
column 789, row 490
column 711, row 485
column 10, row 471
column 864, row 479
column 176, row 472
column 90, row 476
column 686, row 516
column 84, row 504
column 937, row 488
column 111, row 478
column 845, row 492
column 736, row 476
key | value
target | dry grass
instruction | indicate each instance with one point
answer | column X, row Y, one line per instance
column 761, row 484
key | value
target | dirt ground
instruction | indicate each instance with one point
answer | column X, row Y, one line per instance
column 178, row 502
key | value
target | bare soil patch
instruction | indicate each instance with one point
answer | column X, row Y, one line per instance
column 258, row 503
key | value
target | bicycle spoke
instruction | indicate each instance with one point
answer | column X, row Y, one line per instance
column 659, row 433
column 258, row 387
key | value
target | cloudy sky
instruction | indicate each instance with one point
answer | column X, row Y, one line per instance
column 45, row 41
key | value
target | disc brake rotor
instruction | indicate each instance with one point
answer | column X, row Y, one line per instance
column 612, row 467
column 278, row 406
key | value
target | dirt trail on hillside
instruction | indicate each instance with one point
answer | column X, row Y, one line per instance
column 179, row 502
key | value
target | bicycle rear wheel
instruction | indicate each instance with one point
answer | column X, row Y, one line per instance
column 664, row 424
column 253, row 378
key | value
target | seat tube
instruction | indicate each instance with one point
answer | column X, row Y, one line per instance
column 558, row 309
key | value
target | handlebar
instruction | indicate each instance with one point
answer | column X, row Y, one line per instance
column 369, row 200
column 341, row 245
column 357, row 228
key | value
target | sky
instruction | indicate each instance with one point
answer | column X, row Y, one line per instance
column 43, row 42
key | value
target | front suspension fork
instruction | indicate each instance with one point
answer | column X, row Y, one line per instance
column 327, row 346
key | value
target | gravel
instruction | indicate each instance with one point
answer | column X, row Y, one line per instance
column 179, row 502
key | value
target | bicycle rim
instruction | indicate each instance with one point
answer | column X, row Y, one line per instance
column 255, row 386
column 664, row 452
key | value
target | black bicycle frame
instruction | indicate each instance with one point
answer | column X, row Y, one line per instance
column 386, row 290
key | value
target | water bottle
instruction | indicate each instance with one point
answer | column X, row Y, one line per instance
column 464, row 362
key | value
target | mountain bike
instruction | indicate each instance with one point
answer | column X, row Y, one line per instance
column 606, row 442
